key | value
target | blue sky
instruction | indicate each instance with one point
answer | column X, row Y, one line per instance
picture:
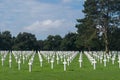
column 40, row 17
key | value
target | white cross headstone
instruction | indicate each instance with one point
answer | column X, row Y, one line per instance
column 30, row 66
column 108, row 57
column 48, row 59
column 23, row 59
column 94, row 64
column 104, row 62
column 10, row 61
column 61, row 57
column 41, row 62
column 80, row 61
column 57, row 60
column 113, row 59
column 68, row 61
column 52, row 61
column 32, row 59
column 64, row 64
column 16, row 58
column 19, row 64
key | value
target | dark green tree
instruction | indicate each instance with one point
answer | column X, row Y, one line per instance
column 108, row 16
column 5, row 40
column 101, row 15
column 40, row 45
column 68, row 42
column 25, row 41
column 86, row 34
column 115, row 40
column 52, row 42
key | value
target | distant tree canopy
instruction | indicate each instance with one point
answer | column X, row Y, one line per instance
column 52, row 42
column 71, row 42
column 5, row 40
column 98, row 30
column 25, row 41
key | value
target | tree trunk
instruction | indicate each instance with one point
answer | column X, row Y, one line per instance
column 106, row 33
column 106, row 41
column 105, row 37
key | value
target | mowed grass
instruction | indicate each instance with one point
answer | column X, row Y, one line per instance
column 74, row 72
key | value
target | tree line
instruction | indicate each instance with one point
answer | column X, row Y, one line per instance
column 98, row 30
column 28, row 41
column 70, row 42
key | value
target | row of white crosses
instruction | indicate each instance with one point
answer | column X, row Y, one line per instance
column 103, row 57
column 119, row 59
column 57, row 58
column 80, row 59
column 70, row 57
column 100, row 56
column 49, row 56
column 3, row 56
column 91, row 59
column 65, row 57
column 21, row 55
column 10, row 59
column 40, row 58
column 31, row 61
column 24, row 55
column 108, row 57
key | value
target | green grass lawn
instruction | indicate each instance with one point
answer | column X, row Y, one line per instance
column 110, row 72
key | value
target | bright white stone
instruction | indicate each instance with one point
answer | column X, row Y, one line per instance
column 64, row 64
column 68, row 61
column 19, row 64
column 80, row 61
column 52, row 61
column 105, row 62
column 48, row 59
column 57, row 60
column 10, row 61
column 30, row 66
column 113, row 59
column 94, row 64
column 41, row 62
column 23, row 59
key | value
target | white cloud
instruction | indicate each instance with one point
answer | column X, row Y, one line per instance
column 50, row 27
column 44, row 25
column 47, row 22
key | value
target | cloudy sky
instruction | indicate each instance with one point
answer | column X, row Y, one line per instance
column 40, row 17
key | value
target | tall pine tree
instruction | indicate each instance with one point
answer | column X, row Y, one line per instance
column 101, row 16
